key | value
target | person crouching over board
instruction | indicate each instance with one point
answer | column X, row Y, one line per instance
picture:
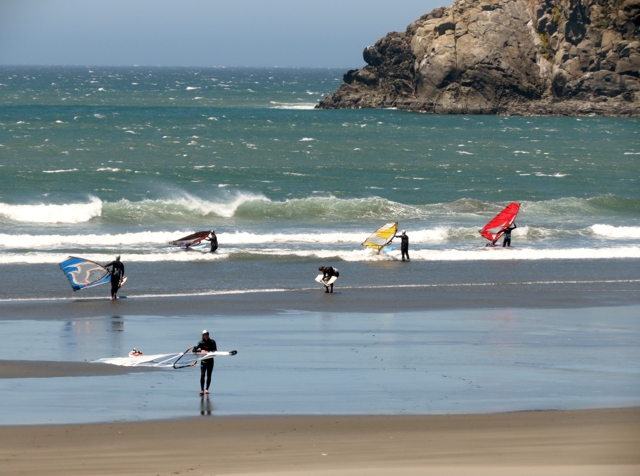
column 328, row 272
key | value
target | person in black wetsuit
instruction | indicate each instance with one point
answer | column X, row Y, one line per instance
column 214, row 240
column 507, row 235
column 117, row 273
column 328, row 272
column 404, row 245
column 206, row 365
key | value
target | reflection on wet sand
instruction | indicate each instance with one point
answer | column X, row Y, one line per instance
column 206, row 407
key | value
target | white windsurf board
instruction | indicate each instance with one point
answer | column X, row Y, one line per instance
column 332, row 279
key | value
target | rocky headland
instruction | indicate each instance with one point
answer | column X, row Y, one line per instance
column 512, row 57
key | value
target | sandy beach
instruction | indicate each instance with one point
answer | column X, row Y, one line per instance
column 597, row 442
column 572, row 442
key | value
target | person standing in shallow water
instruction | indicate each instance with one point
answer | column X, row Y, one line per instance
column 214, row 240
column 206, row 365
column 404, row 245
column 328, row 272
column 507, row 235
column 117, row 273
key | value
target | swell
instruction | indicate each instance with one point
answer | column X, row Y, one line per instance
column 189, row 209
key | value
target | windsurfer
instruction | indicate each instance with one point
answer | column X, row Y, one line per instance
column 117, row 273
column 507, row 235
column 328, row 272
column 214, row 240
column 206, row 365
column 501, row 225
column 404, row 245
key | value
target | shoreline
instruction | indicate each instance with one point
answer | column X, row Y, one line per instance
column 585, row 442
column 346, row 299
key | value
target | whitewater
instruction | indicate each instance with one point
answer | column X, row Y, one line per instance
column 104, row 161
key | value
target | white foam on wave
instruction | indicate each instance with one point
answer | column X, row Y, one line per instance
column 89, row 240
column 225, row 207
column 148, row 239
column 608, row 231
column 484, row 254
column 354, row 255
column 61, row 171
column 50, row 213
column 155, row 238
column 499, row 253
column 164, row 256
column 294, row 106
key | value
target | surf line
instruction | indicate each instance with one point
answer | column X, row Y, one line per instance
column 512, row 283
column 130, row 296
column 284, row 290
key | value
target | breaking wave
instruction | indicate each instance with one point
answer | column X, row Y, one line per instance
column 53, row 213
column 608, row 231
column 188, row 209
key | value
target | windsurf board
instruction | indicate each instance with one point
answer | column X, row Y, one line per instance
column 332, row 280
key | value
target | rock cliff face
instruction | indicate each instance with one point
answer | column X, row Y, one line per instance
column 521, row 57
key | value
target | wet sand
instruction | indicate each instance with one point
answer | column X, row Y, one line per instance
column 404, row 298
column 50, row 369
column 594, row 442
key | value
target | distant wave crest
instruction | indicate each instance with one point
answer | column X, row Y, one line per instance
column 53, row 213
column 608, row 231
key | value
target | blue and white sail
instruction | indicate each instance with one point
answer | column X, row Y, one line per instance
column 83, row 273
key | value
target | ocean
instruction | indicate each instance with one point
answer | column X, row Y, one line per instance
column 96, row 162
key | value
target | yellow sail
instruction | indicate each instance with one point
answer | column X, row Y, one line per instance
column 382, row 236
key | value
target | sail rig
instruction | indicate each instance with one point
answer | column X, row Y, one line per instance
column 177, row 360
column 382, row 236
column 190, row 240
column 83, row 273
column 503, row 220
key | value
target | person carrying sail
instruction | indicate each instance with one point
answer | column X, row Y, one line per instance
column 328, row 272
column 206, row 365
column 507, row 234
column 117, row 273
column 404, row 245
column 214, row 240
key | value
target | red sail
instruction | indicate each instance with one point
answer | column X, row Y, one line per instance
column 189, row 240
column 503, row 220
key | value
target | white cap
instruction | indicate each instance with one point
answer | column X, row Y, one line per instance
column 205, row 332
column 403, row 232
